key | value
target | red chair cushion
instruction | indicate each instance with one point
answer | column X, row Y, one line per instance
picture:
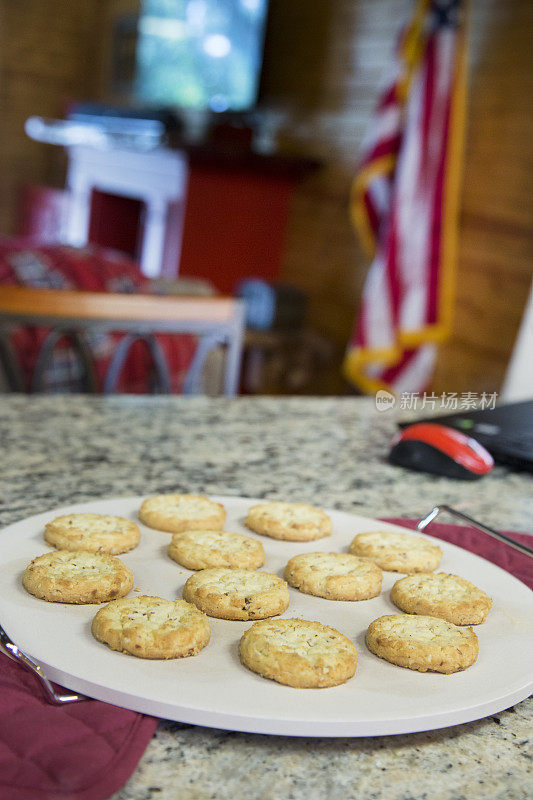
column 26, row 263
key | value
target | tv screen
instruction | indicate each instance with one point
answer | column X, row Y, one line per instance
column 200, row 54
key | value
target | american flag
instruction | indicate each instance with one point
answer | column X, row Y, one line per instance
column 404, row 205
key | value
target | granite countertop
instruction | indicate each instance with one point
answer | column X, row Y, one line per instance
column 327, row 451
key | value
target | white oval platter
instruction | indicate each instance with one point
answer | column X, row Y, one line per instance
column 213, row 688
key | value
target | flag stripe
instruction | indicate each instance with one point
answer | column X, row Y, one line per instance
column 400, row 201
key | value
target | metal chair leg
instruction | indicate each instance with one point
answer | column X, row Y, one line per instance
column 121, row 354
column 81, row 350
column 10, row 365
column 234, row 354
column 205, row 344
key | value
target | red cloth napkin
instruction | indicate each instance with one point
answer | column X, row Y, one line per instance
column 82, row 751
column 88, row 750
column 518, row 564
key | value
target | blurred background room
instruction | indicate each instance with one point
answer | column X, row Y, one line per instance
column 206, row 149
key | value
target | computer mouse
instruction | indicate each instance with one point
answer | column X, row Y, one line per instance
column 429, row 447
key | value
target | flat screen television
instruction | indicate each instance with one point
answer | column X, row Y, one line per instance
column 199, row 54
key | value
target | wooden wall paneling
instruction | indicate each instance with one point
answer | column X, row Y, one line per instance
column 49, row 52
column 322, row 255
column 495, row 255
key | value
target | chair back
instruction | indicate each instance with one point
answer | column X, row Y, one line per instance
column 216, row 321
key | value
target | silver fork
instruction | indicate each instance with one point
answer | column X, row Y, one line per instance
column 10, row 649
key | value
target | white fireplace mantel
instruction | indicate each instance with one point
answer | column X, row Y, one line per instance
column 158, row 178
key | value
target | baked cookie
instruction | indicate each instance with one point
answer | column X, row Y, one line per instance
column 182, row 512
column 446, row 596
column 204, row 549
column 237, row 593
column 299, row 653
column 422, row 643
column 295, row 522
column 150, row 627
column 397, row 552
column 66, row 577
column 335, row 576
column 94, row 533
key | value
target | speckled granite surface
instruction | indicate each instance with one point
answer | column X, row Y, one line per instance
column 327, row 451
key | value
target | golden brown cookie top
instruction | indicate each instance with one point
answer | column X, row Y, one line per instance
column 311, row 640
column 421, row 630
column 71, row 566
column 95, row 533
column 152, row 627
column 64, row 576
column 235, row 581
column 442, row 595
column 334, row 564
column 290, row 521
column 391, row 540
column 180, row 512
column 150, row 613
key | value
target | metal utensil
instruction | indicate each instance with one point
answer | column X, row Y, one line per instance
column 501, row 537
column 11, row 650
